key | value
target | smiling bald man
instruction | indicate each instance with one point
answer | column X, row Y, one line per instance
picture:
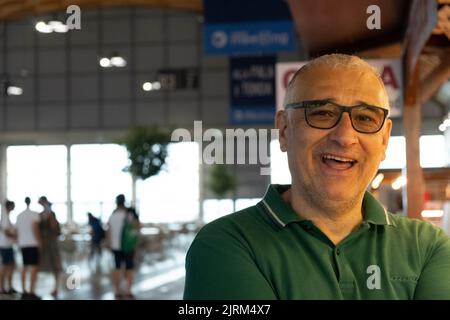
column 324, row 236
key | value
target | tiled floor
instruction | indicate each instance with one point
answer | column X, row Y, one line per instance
column 157, row 277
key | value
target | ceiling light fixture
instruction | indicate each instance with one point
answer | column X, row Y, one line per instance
column 42, row 27
column 149, row 86
column 399, row 183
column 58, row 26
column 14, row 91
column 118, row 61
column 8, row 88
column 445, row 123
column 105, row 63
column 377, row 181
column 432, row 213
column 115, row 60
column 52, row 26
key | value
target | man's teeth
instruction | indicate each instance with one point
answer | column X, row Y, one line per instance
column 339, row 159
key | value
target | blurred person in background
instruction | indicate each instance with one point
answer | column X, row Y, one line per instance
column 29, row 241
column 97, row 236
column 7, row 238
column 134, row 236
column 122, row 222
column 50, row 231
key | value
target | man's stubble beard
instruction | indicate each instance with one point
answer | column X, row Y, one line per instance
column 318, row 199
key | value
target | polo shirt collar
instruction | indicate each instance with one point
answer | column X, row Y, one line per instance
column 374, row 212
column 283, row 214
column 280, row 211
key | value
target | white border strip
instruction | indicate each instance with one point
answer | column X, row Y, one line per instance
column 387, row 217
column 273, row 214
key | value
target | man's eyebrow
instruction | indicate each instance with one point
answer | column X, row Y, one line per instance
column 358, row 102
column 363, row 102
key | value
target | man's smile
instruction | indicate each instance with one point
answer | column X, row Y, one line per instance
column 338, row 162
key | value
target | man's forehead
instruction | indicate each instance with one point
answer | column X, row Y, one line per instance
column 322, row 75
column 347, row 85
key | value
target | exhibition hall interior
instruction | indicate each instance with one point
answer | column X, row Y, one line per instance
column 165, row 109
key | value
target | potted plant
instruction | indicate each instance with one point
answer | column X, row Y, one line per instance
column 221, row 181
column 147, row 151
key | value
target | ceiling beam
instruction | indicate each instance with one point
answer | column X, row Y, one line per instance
column 436, row 78
column 14, row 9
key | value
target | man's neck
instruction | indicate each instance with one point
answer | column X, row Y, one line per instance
column 334, row 221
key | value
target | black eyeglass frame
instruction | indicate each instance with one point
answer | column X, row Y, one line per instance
column 307, row 104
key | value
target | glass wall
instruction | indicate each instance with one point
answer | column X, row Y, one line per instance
column 97, row 177
column 432, row 152
column 173, row 194
column 279, row 169
column 34, row 171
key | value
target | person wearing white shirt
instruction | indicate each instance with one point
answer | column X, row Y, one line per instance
column 29, row 241
column 7, row 237
column 114, row 236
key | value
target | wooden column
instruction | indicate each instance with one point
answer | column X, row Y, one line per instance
column 437, row 77
column 412, row 125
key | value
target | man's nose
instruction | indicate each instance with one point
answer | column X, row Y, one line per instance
column 343, row 133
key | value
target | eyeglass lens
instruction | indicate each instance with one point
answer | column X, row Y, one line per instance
column 364, row 118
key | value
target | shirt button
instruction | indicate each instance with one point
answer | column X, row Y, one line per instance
column 338, row 251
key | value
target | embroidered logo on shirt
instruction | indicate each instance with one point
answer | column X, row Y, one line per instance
column 405, row 278
column 374, row 280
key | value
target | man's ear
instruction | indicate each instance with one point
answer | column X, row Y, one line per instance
column 386, row 134
column 281, row 123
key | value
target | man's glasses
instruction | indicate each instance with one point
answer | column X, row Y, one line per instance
column 324, row 114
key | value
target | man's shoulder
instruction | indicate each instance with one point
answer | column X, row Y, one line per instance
column 407, row 223
column 244, row 224
column 414, row 229
column 117, row 214
column 27, row 213
column 236, row 232
column 119, row 211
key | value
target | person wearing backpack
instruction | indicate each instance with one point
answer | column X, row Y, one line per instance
column 123, row 228
column 97, row 236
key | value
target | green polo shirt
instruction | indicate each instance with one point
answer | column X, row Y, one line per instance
column 268, row 252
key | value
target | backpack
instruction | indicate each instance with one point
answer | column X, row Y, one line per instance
column 101, row 232
column 98, row 232
column 130, row 237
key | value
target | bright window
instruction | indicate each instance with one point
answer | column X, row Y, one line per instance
column 278, row 165
column 36, row 171
column 433, row 151
column 395, row 154
column 97, row 178
column 173, row 194
column 245, row 203
column 214, row 209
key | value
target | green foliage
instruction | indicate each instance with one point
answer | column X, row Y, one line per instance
column 221, row 181
column 147, row 150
